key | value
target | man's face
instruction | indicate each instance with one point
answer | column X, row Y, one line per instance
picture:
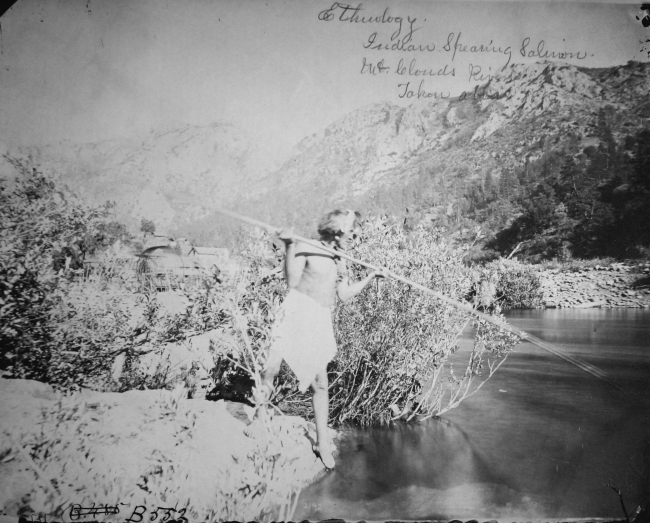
column 347, row 236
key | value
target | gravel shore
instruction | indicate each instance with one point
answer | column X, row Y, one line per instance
column 615, row 285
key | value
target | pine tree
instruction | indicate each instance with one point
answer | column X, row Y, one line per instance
column 641, row 163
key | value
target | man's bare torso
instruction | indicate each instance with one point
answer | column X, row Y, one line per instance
column 320, row 276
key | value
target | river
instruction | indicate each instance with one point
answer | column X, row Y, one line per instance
column 541, row 439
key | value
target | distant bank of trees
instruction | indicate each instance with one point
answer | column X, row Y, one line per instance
column 596, row 203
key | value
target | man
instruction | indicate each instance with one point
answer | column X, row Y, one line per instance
column 303, row 335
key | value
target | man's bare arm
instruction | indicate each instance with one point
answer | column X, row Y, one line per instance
column 348, row 291
column 293, row 265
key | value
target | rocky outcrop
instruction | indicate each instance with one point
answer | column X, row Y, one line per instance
column 134, row 446
column 608, row 286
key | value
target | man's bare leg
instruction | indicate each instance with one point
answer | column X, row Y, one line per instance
column 271, row 369
column 269, row 373
column 320, row 401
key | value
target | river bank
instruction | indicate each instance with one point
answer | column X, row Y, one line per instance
column 607, row 286
column 147, row 448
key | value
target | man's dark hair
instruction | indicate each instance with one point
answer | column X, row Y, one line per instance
column 331, row 223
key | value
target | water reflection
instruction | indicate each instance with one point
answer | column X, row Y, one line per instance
column 541, row 439
column 427, row 471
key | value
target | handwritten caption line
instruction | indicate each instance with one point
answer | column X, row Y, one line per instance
column 77, row 512
column 403, row 39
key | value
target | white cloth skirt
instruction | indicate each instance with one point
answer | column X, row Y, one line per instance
column 304, row 336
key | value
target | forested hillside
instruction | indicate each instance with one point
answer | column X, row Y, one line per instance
column 586, row 203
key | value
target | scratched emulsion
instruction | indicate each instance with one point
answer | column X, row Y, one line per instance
column 645, row 21
column 541, row 439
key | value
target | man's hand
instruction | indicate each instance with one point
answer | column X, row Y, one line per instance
column 383, row 272
column 286, row 235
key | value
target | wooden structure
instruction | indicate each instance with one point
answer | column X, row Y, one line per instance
column 163, row 267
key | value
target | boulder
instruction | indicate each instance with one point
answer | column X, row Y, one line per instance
column 197, row 353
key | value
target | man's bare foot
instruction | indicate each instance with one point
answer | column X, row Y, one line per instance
column 326, row 457
column 260, row 414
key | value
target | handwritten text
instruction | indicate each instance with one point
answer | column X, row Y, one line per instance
column 348, row 13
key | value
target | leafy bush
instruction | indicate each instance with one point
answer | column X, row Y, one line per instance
column 249, row 302
column 203, row 311
column 38, row 221
column 62, row 326
column 518, row 285
column 478, row 256
column 66, row 327
column 92, row 322
column 396, row 342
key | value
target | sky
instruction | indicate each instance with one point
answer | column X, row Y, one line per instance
column 90, row 70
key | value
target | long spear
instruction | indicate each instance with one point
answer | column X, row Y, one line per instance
column 583, row 365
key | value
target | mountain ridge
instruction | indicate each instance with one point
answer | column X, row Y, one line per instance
column 387, row 143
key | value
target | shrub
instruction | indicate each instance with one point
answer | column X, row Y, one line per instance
column 395, row 342
column 62, row 326
column 38, row 221
column 480, row 256
column 66, row 327
column 92, row 321
column 518, row 285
